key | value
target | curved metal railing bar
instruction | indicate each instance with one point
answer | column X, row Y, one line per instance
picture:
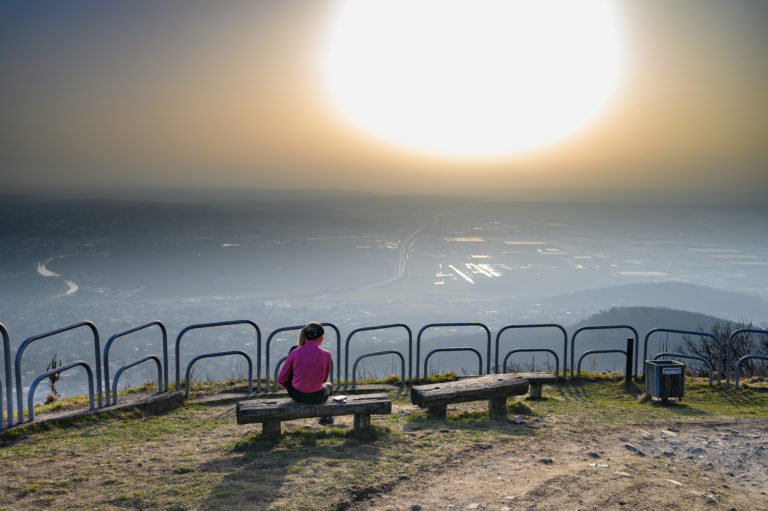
column 218, row 354
column 8, row 388
column 593, row 352
column 683, row 355
column 218, row 324
column 729, row 350
column 27, row 342
column 742, row 359
column 602, row 327
column 536, row 325
column 375, row 354
column 530, row 350
column 36, row 382
column 693, row 357
column 379, row 327
column 458, row 348
column 112, row 339
column 122, row 369
column 435, row 325
column 299, row 327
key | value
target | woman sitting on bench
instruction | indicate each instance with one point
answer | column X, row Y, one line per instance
column 306, row 369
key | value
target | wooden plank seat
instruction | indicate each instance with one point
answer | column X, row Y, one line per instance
column 496, row 388
column 535, row 380
column 270, row 412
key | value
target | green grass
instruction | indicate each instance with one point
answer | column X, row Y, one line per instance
column 196, row 457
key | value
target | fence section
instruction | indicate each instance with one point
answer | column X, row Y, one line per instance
column 8, row 388
column 26, row 343
column 603, row 327
column 436, row 325
column 378, row 327
column 535, row 325
column 219, row 353
column 729, row 350
column 682, row 355
column 162, row 379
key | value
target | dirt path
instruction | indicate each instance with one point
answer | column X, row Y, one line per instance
column 706, row 465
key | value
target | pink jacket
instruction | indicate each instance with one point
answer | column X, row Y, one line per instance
column 310, row 365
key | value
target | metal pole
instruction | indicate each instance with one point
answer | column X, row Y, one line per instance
column 628, row 370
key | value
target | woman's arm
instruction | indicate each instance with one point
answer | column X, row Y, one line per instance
column 285, row 371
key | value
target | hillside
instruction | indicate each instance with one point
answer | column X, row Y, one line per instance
column 671, row 295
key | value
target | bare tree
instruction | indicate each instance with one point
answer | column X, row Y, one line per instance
column 743, row 344
column 53, row 378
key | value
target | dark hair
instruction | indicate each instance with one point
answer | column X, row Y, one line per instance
column 312, row 331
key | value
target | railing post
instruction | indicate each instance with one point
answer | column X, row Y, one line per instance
column 628, row 369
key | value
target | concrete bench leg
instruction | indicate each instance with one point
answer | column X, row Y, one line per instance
column 437, row 412
column 362, row 421
column 270, row 426
column 534, row 391
column 497, row 405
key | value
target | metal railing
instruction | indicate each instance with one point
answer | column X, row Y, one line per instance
column 36, row 382
column 376, row 354
column 682, row 355
column 729, row 350
column 26, row 343
column 458, row 348
column 122, row 369
column 378, row 327
column 187, row 383
column 214, row 325
column 436, row 325
column 163, row 379
column 742, row 359
column 299, row 327
column 535, row 325
column 602, row 327
column 594, row 352
column 530, row 350
column 8, row 387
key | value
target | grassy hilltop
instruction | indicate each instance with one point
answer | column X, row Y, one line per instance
column 196, row 457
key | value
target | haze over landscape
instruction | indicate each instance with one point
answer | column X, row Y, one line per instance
column 193, row 162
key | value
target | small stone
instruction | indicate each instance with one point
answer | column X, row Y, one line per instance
column 414, row 507
column 546, row 461
column 632, row 448
column 696, row 450
column 505, row 508
column 669, row 454
column 672, row 481
column 667, row 432
column 267, row 499
column 593, row 454
column 474, row 505
column 622, row 474
column 712, row 498
column 519, row 420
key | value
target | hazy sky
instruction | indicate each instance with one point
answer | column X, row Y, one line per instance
column 231, row 94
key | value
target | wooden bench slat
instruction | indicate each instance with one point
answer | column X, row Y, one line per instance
column 263, row 410
column 475, row 389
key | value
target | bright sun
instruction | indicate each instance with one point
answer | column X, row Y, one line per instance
column 473, row 79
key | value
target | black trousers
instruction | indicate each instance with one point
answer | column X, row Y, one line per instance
column 311, row 398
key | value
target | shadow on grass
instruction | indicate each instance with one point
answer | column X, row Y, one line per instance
column 304, row 466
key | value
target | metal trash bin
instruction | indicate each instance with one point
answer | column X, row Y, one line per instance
column 664, row 379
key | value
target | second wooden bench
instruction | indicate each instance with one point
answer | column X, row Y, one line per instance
column 496, row 388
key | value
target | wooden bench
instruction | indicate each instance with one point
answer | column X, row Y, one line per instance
column 270, row 412
column 496, row 388
column 535, row 380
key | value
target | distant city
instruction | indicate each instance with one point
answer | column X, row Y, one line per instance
column 363, row 260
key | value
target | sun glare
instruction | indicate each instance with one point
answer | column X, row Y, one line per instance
column 473, row 79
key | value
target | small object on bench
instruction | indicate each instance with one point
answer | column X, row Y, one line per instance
column 271, row 411
column 535, row 380
column 496, row 388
